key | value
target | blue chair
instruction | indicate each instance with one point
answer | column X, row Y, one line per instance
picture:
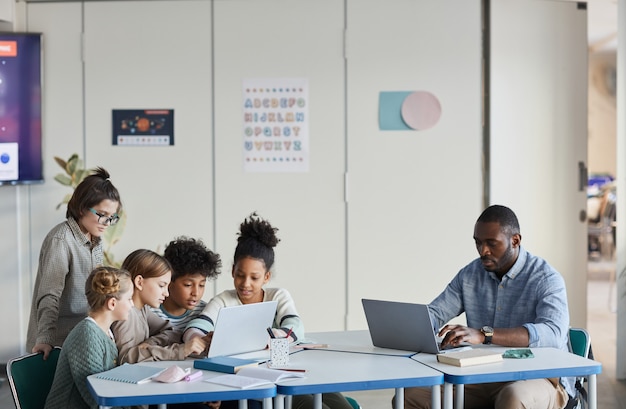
column 353, row 403
column 30, row 378
column 580, row 344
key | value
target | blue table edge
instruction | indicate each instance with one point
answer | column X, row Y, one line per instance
column 433, row 380
column 234, row 394
column 518, row 376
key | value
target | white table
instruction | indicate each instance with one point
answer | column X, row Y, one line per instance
column 547, row 363
column 341, row 371
column 336, row 371
column 112, row 393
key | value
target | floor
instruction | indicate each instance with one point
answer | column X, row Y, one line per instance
column 601, row 294
column 601, row 326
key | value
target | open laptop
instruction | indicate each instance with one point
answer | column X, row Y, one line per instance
column 242, row 328
column 399, row 325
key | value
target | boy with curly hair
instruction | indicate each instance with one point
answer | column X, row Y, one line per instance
column 192, row 264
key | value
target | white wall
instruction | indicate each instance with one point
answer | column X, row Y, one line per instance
column 412, row 197
column 307, row 208
column 7, row 10
column 536, row 147
column 160, row 62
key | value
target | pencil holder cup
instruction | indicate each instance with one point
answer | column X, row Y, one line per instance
column 279, row 351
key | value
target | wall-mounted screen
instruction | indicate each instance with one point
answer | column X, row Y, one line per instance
column 20, row 108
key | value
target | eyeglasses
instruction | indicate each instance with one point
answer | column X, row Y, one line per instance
column 103, row 219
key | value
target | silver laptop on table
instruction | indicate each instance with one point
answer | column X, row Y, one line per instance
column 400, row 325
column 242, row 328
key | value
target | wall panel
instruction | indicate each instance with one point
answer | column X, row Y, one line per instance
column 413, row 196
column 286, row 39
column 154, row 55
column 539, row 131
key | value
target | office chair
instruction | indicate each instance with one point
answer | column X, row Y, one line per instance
column 601, row 231
column 580, row 344
column 30, row 378
column 353, row 403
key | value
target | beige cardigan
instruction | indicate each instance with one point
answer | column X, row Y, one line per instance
column 143, row 325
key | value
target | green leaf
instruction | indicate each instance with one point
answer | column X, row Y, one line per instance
column 64, row 180
column 60, row 162
column 74, row 164
column 109, row 260
column 78, row 176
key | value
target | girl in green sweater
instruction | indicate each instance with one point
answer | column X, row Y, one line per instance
column 89, row 348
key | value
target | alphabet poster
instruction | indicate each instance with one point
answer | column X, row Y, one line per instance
column 275, row 125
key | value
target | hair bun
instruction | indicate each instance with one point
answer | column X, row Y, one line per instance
column 255, row 228
column 105, row 282
column 102, row 172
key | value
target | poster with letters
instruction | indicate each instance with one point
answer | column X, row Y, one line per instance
column 275, row 125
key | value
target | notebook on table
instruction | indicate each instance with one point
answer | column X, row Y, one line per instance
column 242, row 328
column 250, row 377
column 400, row 325
column 131, row 373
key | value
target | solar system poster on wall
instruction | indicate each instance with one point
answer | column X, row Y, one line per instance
column 276, row 125
column 143, row 127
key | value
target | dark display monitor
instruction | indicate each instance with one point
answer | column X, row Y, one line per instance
column 20, row 108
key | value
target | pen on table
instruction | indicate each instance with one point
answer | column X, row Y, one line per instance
column 289, row 333
column 193, row 375
column 269, row 331
column 293, row 369
column 311, row 346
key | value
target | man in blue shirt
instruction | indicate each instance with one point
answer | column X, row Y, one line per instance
column 510, row 298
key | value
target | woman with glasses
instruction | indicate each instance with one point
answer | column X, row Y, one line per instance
column 70, row 251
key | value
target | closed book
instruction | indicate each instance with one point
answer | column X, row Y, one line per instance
column 470, row 357
column 131, row 373
column 225, row 364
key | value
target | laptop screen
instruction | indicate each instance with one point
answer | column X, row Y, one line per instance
column 400, row 325
column 242, row 328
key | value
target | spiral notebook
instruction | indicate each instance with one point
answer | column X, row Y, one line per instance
column 131, row 373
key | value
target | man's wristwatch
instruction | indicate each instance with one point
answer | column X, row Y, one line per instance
column 488, row 333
